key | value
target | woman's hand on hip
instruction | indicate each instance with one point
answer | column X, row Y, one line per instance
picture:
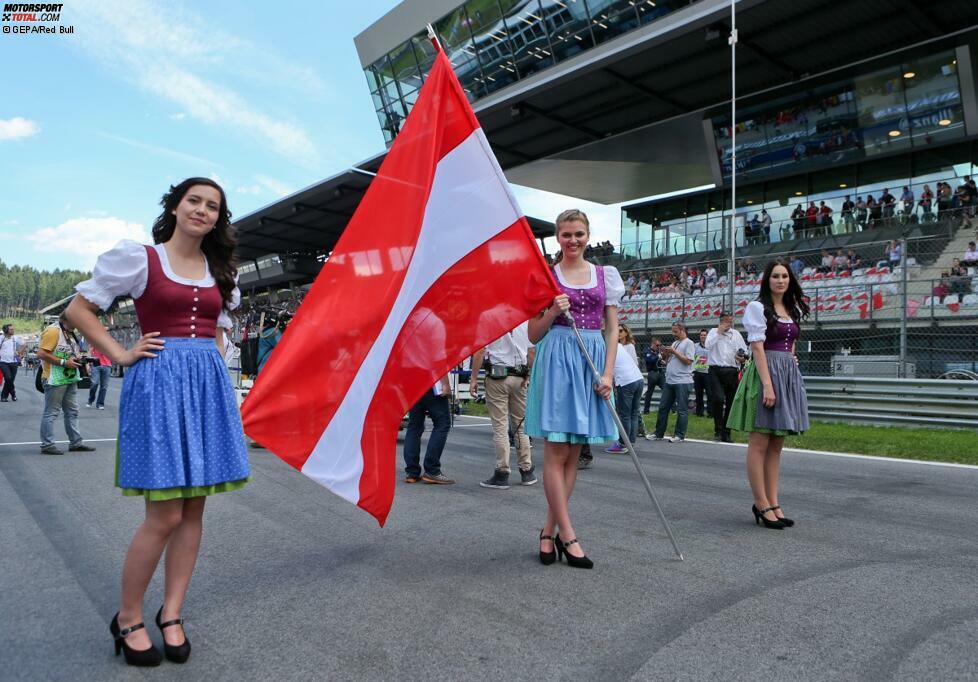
column 143, row 348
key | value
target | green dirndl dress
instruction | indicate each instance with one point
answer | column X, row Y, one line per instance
column 743, row 410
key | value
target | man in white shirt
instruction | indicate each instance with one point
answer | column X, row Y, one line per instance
column 970, row 257
column 11, row 350
column 679, row 381
column 727, row 351
column 509, row 359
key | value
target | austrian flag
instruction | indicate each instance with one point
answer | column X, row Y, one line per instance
column 437, row 261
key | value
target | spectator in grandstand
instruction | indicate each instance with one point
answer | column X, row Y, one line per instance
column 631, row 280
column 628, row 388
column 862, row 212
column 943, row 199
column 875, row 209
column 643, row 284
column 770, row 402
column 907, row 199
column 798, row 221
column 710, row 275
column 960, row 279
column 892, row 255
column 942, row 288
column 751, row 228
column 750, row 266
column 825, row 217
column 970, row 257
column 701, row 375
column 679, row 379
column 841, row 262
column 848, row 214
column 965, row 196
column 888, row 202
column 726, row 353
column 811, row 218
column 765, row 226
column 827, row 262
column 797, row 265
column 926, row 203
column 854, row 260
column 655, row 371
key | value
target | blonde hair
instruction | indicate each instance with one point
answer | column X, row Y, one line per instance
column 629, row 338
column 568, row 216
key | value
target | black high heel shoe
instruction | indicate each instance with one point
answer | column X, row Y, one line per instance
column 140, row 657
column 575, row 561
column 759, row 518
column 547, row 558
column 178, row 653
column 788, row 523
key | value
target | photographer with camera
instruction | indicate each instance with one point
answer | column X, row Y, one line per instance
column 64, row 365
column 270, row 335
column 727, row 352
column 508, row 361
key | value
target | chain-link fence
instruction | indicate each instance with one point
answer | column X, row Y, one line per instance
column 893, row 300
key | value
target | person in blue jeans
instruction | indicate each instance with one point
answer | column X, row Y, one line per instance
column 628, row 388
column 679, row 381
column 436, row 403
column 100, row 379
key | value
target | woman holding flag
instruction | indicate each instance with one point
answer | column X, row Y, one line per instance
column 564, row 406
column 180, row 436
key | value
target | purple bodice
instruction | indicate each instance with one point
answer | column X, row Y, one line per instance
column 782, row 337
column 587, row 305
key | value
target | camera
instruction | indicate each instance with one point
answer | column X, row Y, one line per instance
column 84, row 360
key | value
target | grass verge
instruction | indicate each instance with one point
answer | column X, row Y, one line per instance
column 932, row 445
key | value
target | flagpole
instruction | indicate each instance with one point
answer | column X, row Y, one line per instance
column 624, row 436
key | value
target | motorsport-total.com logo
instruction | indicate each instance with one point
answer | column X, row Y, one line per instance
column 32, row 17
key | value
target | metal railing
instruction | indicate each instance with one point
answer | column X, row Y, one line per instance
column 906, row 402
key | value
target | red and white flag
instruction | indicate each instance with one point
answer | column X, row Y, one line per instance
column 437, row 261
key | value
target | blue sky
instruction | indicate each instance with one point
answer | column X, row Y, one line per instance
column 267, row 98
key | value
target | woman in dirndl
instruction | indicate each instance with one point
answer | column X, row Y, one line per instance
column 564, row 406
column 180, row 436
column 771, row 402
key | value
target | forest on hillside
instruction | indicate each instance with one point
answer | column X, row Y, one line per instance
column 25, row 290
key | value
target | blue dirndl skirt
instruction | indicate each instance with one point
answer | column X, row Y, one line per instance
column 179, row 424
column 561, row 404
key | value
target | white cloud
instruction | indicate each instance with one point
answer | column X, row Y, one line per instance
column 605, row 219
column 249, row 189
column 86, row 238
column 274, row 186
column 18, row 128
column 168, row 51
column 158, row 150
column 179, row 116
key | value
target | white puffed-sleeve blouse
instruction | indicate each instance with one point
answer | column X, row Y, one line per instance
column 123, row 271
column 754, row 322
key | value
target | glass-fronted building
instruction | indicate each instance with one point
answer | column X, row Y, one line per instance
column 889, row 128
column 493, row 43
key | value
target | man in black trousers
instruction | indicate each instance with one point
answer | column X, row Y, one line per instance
column 727, row 351
column 656, row 374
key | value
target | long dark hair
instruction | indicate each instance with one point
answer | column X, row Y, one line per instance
column 218, row 245
column 794, row 297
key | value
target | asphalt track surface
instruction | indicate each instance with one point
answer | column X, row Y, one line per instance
column 876, row 581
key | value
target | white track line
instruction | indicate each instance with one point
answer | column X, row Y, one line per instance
column 87, row 440
column 871, row 458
